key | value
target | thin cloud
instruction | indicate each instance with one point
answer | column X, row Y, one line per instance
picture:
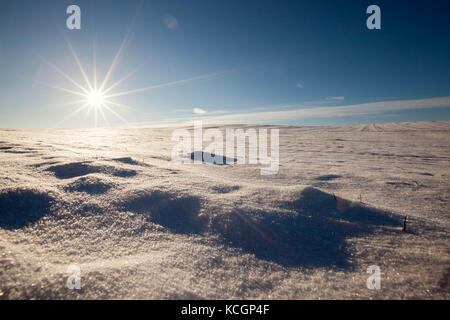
column 336, row 98
column 299, row 85
column 199, row 111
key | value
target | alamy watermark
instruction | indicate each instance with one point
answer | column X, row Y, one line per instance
column 374, row 20
column 232, row 150
column 374, row 281
column 73, row 21
column 74, row 279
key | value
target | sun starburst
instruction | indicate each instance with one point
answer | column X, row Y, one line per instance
column 97, row 97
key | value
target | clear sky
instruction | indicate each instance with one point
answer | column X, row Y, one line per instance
column 278, row 62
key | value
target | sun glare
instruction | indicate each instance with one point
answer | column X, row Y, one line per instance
column 95, row 99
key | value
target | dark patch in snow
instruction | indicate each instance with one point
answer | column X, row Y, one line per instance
column 123, row 173
column 427, row 174
column 225, row 189
column 16, row 151
column 328, row 177
column 313, row 234
column 5, row 148
column 211, row 158
column 21, row 207
column 399, row 184
column 72, row 170
column 128, row 160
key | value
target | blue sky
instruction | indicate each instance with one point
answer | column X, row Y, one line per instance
column 280, row 62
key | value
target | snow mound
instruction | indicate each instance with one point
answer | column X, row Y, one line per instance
column 311, row 231
column 177, row 213
column 90, row 185
column 22, row 207
column 77, row 169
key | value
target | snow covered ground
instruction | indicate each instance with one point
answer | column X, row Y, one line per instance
column 139, row 226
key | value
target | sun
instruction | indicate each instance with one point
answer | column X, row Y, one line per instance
column 97, row 96
column 95, row 99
